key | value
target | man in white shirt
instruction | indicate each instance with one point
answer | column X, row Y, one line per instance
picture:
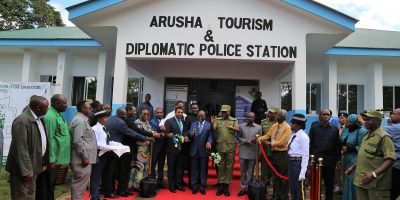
column 298, row 150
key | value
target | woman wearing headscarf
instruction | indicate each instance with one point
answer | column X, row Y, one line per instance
column 351, row 137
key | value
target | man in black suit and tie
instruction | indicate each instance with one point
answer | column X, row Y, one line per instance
column 174, row 126
column 158, row 154
column 201, row 136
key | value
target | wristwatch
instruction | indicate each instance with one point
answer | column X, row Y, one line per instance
column 374, row 174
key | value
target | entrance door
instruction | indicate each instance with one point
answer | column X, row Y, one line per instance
column 210, row 94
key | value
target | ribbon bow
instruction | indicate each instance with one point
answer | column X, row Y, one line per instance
column 178, row 140
column 216, row 158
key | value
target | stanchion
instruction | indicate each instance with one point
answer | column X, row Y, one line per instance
column 312, row 178
column 320, row 160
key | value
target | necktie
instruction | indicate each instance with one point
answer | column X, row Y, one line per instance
column 200, row 126
column 108, row 135
column 276, row 133
column 294, row 136
column 180, row 125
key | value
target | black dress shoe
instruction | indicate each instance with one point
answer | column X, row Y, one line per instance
column 203, row 191
column 241, row 193
column 180, row 188
column 172, row 189
column 123, row 194
column 194, row 191
column 219, row 192
column 111, row 196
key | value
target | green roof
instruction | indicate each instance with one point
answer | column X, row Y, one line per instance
column 371, row 39
column 52, row 33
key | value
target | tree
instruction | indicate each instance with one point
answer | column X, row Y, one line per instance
column 26, row 14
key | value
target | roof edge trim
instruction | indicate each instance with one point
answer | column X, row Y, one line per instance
column 340, row 51
column 87, row 7
column 325, row 12
column 51, row 43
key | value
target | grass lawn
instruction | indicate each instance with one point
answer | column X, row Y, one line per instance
column 5, row 186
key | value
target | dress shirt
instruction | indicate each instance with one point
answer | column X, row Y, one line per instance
column 42, row 132
column 299, row 147
column 169, row 116
column 279, row 138
column 101, row 137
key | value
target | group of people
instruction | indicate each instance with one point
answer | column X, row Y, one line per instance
column 103, row 149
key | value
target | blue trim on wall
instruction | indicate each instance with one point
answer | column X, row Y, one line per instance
column 115, row 107
column 51, row 43
column 324, row 12
column 344, row 51
column 86, row 8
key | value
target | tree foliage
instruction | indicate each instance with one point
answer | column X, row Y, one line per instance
column 26, row 14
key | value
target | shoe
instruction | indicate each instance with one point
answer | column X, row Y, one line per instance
column 241, row 193
column 111, row 196
column 226, row 190
column 203, row 191
column 180, row 188
column 194, row 191
column 220, row 190
column 122, row 194
column 172, row 189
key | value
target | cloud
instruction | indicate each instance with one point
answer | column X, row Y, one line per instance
column 64, row 13
column 372, row 14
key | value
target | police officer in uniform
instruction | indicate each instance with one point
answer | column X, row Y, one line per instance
column 374, row 161
column 266, row 124
column 225, row 128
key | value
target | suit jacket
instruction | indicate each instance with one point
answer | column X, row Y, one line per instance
column 119, row 129
column 172, row 126
column 25, row 154
column 84, row 143
column 159, row 143
column 248, row 151
column 199, row 140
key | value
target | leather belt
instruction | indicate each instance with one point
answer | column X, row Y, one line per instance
column 294, row 158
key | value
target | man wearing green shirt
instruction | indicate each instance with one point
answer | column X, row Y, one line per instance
column 374, row 161
column 59, row 143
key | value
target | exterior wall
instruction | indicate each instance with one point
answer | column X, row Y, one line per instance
column 48, row 64
column 391, row 73
column 11, row 66
column 84, row 64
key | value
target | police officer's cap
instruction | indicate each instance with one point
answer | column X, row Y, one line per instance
column 273, row 109
column 298, row 118
column 225, row 108
column 101, row 113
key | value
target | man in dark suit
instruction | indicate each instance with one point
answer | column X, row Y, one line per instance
column 201, row 136
column 174, row 126
column 28, row 153
column 118, row 129
column 158, row 156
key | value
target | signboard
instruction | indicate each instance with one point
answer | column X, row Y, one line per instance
column 14, row 97
column 174, row 93
column 244, row 97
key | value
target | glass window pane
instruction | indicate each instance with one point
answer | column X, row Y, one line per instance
column 308, row 98
column 286, row 95
column 352, row 97
column 342, row 98
column 314, row 96
column 91, row 88
column 133, row 91
column 397, row 97
column 388, row 98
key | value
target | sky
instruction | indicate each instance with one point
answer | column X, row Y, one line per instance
column 372, row 14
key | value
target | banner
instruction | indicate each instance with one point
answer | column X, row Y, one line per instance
column 173, row 93
column 244, row 97
column 14, row 97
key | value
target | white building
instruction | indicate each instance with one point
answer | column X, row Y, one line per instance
column 208, row 50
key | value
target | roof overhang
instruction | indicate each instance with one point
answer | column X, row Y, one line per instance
column 343, row 51
column 51, row 43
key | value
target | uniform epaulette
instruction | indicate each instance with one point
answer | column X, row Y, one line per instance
column 232, row 118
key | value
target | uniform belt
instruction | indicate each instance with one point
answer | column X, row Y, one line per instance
column 294, row 158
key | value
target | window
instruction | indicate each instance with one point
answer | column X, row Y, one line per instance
column 313, row 98
column 391, row 97
column 83, row 88
column 135, row 91
column 48, row 78
column 350, row 98
column 286, row 95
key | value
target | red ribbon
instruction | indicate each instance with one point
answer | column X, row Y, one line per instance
column 271, row 166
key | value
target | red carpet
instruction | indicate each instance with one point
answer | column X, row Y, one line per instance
column 165, row 194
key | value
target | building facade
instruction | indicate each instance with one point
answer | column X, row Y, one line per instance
column 301, row 55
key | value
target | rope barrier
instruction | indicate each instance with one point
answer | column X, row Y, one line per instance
column 270, row 165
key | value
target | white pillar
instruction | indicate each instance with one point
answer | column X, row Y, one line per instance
column 329, row 96
column 120, row 79
column 30, row 71
column 374, row 90
column 101, row 74
column 64, row 77
column 299, row 82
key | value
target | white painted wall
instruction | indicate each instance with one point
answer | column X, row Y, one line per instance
column 391, row 73
column 352, row 72
column 48, row 64
column 11, row 66
column 84, row 64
